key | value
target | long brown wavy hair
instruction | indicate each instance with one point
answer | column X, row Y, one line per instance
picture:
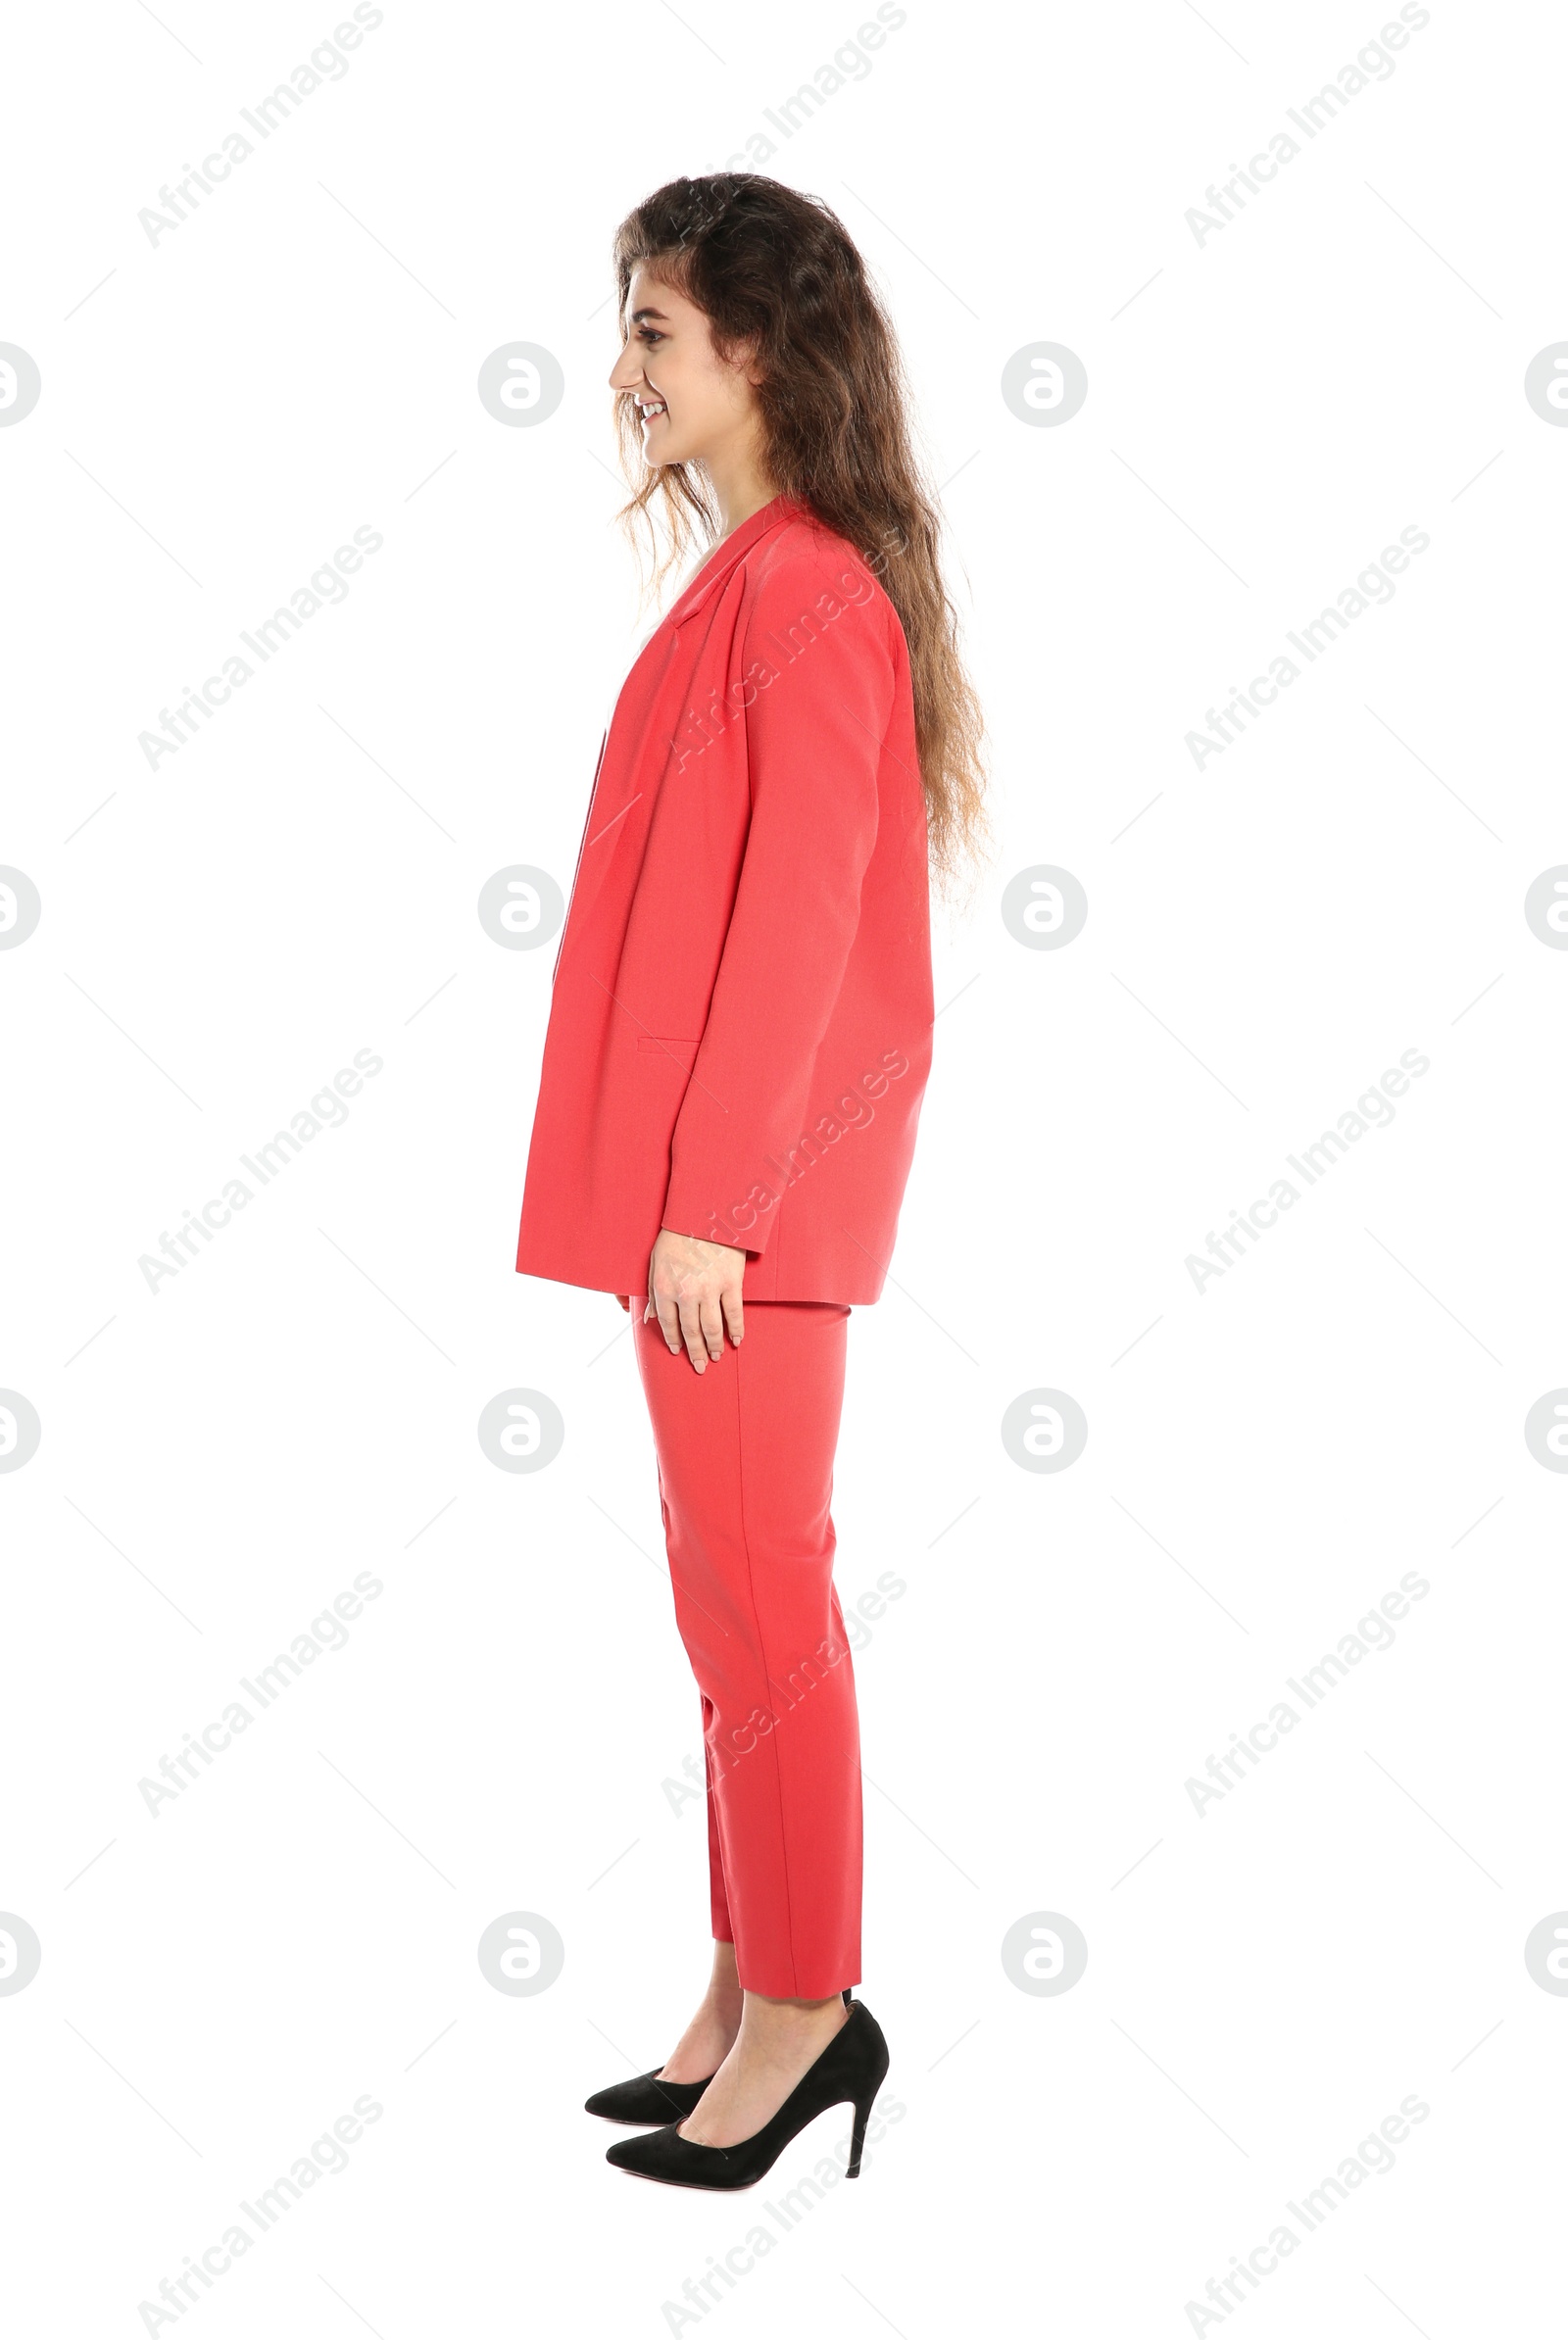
column 776, row 271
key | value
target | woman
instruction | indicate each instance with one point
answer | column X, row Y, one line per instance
column 739, row 1037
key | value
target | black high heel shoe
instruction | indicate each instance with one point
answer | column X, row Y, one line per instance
column 849, row 2071
column 648, row 2102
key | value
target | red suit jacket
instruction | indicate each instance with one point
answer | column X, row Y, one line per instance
column 739, row 1018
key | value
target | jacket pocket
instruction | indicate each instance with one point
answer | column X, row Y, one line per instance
column 682, row 1051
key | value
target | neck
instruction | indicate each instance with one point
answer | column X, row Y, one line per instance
column 739, row 487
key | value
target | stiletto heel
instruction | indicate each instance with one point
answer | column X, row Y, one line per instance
column 648, row 2101
column 861, row 2115
column 849, row 2071
column 862, row 2108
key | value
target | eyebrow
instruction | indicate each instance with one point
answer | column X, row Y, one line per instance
column 638, row 315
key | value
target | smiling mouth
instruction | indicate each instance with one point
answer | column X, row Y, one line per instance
column 650, row 409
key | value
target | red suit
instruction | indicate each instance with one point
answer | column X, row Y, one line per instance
column 739, row 1039
column 744, row 1481
column 740, row 1024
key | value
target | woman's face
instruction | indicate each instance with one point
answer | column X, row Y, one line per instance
column 694, row 406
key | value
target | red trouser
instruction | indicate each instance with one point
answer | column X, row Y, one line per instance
column 744, row 1481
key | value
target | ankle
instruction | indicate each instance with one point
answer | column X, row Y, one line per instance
column 781, row 2020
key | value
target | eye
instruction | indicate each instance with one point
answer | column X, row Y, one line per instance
column 648, row 337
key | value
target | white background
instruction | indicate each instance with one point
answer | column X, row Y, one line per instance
column 1265, row 1459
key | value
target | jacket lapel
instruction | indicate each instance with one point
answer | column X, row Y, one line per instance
column 640, row 777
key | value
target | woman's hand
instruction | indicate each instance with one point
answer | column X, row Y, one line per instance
column 694, row 1288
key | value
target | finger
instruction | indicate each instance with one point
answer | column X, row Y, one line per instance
column 668, row 1316
column 732, row 1314
column 692, row 1330
column 711, row 1322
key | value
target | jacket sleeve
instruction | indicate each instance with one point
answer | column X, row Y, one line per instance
column 824, row 677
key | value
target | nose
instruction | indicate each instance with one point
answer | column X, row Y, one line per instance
column 626, row 372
